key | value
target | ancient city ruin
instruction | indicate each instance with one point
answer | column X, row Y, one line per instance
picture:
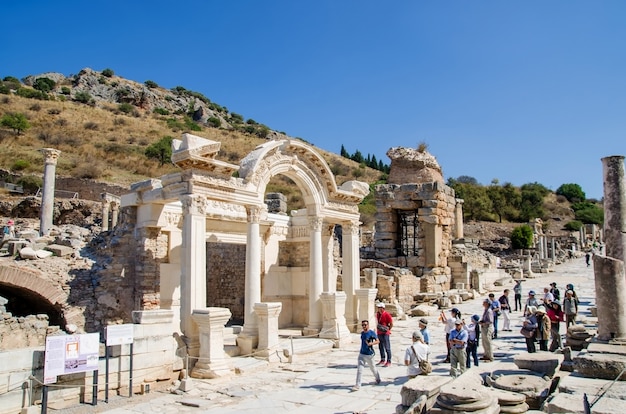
column 207, row 265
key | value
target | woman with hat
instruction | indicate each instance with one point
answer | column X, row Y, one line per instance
column 530, row 325
column 556, row 316
column 423, row 324
column 531, row 301
column 543, row 328
column 449, row 326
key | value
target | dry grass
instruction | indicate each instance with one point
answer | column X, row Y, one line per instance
column 103, row 144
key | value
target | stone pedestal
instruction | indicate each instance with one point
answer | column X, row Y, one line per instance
column 334, row 324
column 267, row 319
column 365, row 306
column 213, row 361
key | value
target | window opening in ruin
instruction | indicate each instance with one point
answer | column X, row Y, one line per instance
column 290, row 195
column 407, row 242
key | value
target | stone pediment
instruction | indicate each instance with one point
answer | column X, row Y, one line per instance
column 193, row 152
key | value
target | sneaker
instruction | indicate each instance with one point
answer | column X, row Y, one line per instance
column 387, row 364
column 446, row 360
column 378, row 381
column 356, row 388
column 381, row 362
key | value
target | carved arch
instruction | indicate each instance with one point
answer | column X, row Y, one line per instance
column 297, row 161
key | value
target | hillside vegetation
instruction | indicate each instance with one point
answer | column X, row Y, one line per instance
column 119, row 131
column 103, row 125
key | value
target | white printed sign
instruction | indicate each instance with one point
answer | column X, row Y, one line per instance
column 119, row 334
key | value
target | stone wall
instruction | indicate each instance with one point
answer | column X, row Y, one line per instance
column 226, row 270
column 294, row 254
column 27, row 331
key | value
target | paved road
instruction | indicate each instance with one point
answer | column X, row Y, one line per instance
column 321, row 383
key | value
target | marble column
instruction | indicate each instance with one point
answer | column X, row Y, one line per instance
column 213, row 361
column 328, row 255
column 366, row 299
column 614, row 206
column 316, row 276
column 249, row 336
column 193, row 267
column 458, row 219
column 334, row 326
column 105, row 213
column 115, row 212
column 351, row 272
column 51, row 157
column 267, row 318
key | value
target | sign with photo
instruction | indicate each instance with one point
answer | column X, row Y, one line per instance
column 68, row 354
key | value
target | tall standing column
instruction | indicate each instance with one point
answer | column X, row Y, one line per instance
column 51, row 157
column 248, row 339
column 193, row 267
column 316, row 276
column 614, row 206
column 115, row 212
column 458, row 219
column 105, row 214
column 328, row 256
column 351, row 271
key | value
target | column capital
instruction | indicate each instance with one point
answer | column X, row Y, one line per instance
column 193, row 204
column 316, row 223
column 255, row 213
column 51, row 155
column 352, row 227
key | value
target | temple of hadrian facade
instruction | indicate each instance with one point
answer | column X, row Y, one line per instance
column 222, row 248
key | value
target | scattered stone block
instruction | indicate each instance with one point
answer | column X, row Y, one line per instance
column 59, row 250
column 605, row 366
column 543, row 362
column 593, row 387
column 568, row 403
column 423, row 385
column 424, row 310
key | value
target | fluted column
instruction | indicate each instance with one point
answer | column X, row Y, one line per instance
column 248, row 339
column 51, row 157
column 115, row 212
column 328, row 255
column 193, row 266
column 316, row 276
column 105, row 215
column 351, row 271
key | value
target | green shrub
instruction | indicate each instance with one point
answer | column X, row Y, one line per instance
column 214, row 122
column 161, row 111
column 20, row 165
column 151, row 84
column 573, row 192
column 108, row 72
column 83, row 97
column 31, row 94
column 522, row 237
column 44, row 84
column 126, row 108
column 30, row 183
column 573, row 225
column 160, row 150
column 4, row 89
column 65, row 90
column 174, row 124
column 191, row 125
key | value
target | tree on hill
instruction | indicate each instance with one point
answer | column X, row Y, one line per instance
column 588, row 213
column 17, row 122
column 573, row 192
column 531, row 206
column 161, row 150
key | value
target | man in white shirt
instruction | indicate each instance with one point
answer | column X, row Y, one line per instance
column 414, row 353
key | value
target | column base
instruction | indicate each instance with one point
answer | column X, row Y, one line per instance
column 340, row 335
column 247, row 344
column 204, row 370
column 311, row 332
column 271, row 355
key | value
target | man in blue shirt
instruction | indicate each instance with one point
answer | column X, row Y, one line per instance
column 458, row 355
column 423, row 324
column 366, row 354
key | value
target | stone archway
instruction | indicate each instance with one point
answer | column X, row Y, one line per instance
column 31, row 285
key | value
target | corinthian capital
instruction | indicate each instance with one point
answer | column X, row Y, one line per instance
column 352, row 228
column 50, row 155
column 254, row 213
column 316, row 223
column 193, row 204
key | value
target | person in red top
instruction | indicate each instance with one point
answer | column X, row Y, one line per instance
column 556, row 316
column 383, row 330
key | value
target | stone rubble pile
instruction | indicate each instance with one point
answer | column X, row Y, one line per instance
column 578, row 337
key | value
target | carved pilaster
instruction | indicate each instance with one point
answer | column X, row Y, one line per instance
column 193, row 204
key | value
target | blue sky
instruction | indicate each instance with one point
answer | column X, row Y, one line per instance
column 521, row 91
